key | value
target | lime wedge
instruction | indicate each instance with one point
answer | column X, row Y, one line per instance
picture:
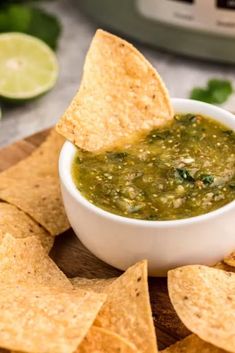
column 28, row 67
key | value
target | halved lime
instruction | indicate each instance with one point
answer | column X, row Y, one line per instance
column 28, row 67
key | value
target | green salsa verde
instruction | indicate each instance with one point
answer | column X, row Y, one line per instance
column 180, row 171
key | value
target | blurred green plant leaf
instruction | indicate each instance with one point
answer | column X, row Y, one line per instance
column 14, row 18
column 216, row 92
column 220, row 90
column 30, row 20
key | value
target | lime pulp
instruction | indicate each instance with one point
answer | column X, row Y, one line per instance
column 28, row 67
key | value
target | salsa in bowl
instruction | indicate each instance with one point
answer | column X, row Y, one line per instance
column 196, row 235
column 182, row 170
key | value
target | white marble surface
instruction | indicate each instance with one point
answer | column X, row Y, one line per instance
column 180, row 75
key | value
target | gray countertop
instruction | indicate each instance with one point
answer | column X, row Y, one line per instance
column 180, row 75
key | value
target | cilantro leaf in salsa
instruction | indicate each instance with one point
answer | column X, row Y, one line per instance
column 156, row 135
column 207, row 179
column 184, row 174
column 30, row 20
column 216, row 92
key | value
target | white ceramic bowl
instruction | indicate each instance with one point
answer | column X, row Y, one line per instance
column 122, row 241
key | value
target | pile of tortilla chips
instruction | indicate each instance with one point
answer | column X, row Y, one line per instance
column 41, row 310
column 32, row 186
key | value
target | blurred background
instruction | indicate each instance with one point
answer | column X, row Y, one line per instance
column 190, row 42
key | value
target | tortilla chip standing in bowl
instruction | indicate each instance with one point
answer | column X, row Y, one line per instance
column 120, row 96
column 204, row 299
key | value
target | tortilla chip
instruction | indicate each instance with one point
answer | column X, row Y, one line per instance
column 120, row 95
column 204, row 299
column 45, row 158
column 39, row 309
column 45, row 319
column 230, row 259
column 16, row 222
column 127, row 310
column 42, row 162
column 192, row 344
column 43, row 203
column 40, row 198
column 100, row 340
column 25, row 261
column 98, row 285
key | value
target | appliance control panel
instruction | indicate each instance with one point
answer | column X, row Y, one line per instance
column 207, row 15
column 226, row 4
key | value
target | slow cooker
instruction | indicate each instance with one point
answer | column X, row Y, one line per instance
column 200, row 28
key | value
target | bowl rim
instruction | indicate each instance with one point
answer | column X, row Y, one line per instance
column 68, row 152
